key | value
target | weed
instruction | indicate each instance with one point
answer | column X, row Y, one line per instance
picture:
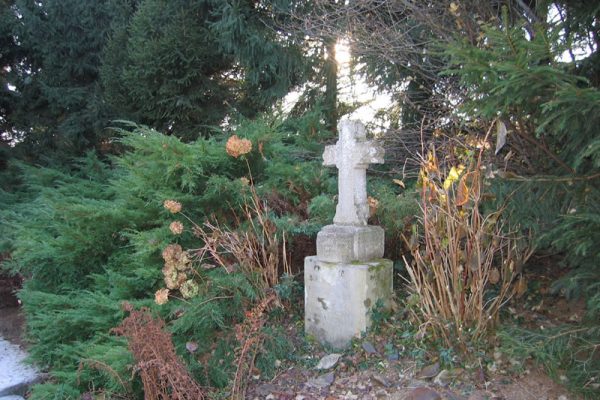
column 571, row 356
column 465, row 262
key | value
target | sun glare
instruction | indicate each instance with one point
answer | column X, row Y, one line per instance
column 342, row 52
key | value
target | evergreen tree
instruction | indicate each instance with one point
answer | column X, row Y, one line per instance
column 60, row 101
column 182, row 66
column 552, row 119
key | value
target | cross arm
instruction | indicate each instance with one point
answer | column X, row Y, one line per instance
column 329, row 156
column 373, row 153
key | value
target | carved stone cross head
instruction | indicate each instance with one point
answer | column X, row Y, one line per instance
column 352, row 154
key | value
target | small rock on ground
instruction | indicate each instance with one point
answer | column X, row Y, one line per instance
column 322, row 381
column 423, row 393
column 329, row 361
column 369, row 348
column 429, row 371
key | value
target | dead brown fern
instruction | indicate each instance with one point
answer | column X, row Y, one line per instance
column 250, row 338
column 163, row 375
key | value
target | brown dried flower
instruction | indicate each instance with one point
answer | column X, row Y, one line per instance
column 173, row 206
column 236, row 147
column 176, row 227
column 172, row 252
column 161, row 296
column 173, row 278
column 373, row 205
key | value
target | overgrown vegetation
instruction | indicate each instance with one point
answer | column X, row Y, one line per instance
column 201, row 215
column 462, row 274
column 89, row 240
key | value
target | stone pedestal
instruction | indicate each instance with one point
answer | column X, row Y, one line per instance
column 347, row 243
column 339, row 297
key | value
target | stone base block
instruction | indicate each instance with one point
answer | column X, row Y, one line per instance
column 346, row 244
column 338, row 298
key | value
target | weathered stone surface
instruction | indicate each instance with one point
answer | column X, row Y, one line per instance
column 347, row 277
column 339, row 297
column 352, row 154
column 345, row 244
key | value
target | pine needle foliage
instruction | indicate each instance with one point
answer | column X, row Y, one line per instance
column 547, row 172
column 551, row 171
column 571, row 352
column 89, row 239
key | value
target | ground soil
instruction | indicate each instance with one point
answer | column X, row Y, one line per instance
column 359, row 375
column 11, row 317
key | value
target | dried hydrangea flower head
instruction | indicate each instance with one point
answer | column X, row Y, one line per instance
column 189, row 289
column 236, row 146
column 161, row 296
column 176, row 227
column 173, row 278
column 172, row 252
column 173, row 206
column 177, row 262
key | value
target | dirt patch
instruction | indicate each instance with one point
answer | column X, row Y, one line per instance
column 384, row 379
column 8, row 288
column 12, row 320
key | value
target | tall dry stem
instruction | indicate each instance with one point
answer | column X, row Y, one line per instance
column 253, row 245
column 464, row 264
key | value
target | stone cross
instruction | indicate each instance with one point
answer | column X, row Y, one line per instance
column 352, row 154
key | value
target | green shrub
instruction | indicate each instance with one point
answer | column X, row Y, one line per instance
column 90, row 238
column 549, row 177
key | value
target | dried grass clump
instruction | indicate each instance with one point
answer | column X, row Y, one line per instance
column 253, row 246
column 465, row 262
column 163, row 375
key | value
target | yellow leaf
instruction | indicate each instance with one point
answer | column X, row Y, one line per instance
column 453, row 176
column 399, row 182
column 462, row 193
column 373, row 205
column 453, row 8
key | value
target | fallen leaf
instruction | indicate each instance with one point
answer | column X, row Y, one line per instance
column 399, row 183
